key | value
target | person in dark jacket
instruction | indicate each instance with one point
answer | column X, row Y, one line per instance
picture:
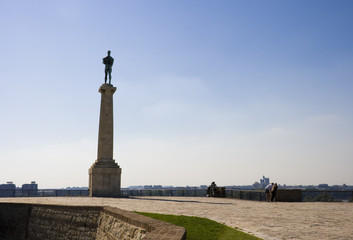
column 274, row 192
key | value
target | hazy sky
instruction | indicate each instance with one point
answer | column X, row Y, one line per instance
column 223, row 91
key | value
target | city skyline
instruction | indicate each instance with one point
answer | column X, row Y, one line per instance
column 257, row 185
column 224, row 91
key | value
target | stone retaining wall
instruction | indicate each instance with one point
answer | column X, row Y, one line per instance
column 60, row 222
column 13, row 221
column 55, row 222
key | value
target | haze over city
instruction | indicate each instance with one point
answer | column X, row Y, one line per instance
column 224, row 91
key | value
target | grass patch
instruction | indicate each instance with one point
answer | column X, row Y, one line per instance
column 202, row 228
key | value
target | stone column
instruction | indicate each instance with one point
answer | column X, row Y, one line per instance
column 105, row 173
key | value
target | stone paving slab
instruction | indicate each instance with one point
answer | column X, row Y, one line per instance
column 270, row 221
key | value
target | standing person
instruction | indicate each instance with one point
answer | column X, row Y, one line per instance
column 274, row 192
column 268, row 189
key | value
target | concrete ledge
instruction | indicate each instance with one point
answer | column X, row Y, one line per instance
column 156, row 230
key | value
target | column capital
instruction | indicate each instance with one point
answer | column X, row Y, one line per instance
column 107, row 88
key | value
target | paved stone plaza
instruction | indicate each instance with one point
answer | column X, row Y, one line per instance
column 277, row 220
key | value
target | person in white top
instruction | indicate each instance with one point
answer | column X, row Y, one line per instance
column 268, row 189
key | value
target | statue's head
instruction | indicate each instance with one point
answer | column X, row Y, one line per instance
column 109, row 53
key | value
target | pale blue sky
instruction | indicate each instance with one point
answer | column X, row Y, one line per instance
column 223, row 91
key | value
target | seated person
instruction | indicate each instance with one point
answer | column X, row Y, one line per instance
column 211, row 191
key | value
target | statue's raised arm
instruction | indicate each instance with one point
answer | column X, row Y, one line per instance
column 108, row 62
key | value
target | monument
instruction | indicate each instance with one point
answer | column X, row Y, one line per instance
column 108, row 61
column 105, row 173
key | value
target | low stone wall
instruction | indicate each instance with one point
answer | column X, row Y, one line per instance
column 54, row 222
column 283, row 195
column 289, row 195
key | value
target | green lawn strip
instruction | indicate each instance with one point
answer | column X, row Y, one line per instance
column 202, row 228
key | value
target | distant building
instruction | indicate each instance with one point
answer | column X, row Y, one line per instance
column 33, row 186
column 135, row 187
column 30, row 189
column 263, row 183
column 76, row 188
column 8, row 186
column 324, row 186
column 256, row 185
column 7, row 190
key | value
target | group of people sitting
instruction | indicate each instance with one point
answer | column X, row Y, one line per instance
column 212, row 190
column 271, row 192
column 270, row 189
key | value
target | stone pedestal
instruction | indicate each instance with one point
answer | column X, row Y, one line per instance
column 105, row 173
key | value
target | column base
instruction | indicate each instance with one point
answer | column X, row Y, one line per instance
column 105, row 179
